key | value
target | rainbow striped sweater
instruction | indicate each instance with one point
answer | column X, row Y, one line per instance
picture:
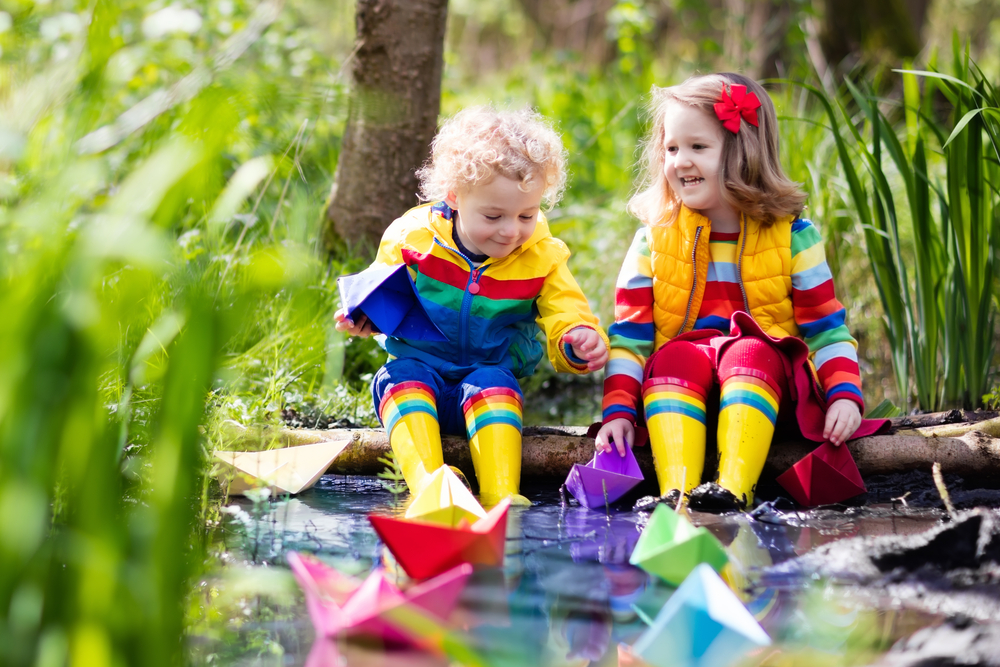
column 818, row 314
column 493, row 312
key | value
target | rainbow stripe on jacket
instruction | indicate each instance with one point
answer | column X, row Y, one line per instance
column 818, row 314
column 491, row 313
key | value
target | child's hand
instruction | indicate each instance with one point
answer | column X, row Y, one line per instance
column 842, row 419
column 362, row 328
column 588, row 345
column 619, row 431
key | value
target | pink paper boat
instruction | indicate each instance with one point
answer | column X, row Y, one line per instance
column 607, row 470
column 826, row 475
column 425, row 549
column 340, row 605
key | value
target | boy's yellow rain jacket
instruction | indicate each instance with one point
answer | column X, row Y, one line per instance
column 491, row 314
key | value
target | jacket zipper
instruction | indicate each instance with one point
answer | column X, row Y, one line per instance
column 694, row 280
column 739, row 267
column 464, row 312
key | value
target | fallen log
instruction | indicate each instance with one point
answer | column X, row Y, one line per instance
column 550, row 452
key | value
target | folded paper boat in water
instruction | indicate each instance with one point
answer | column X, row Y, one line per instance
column 285, row 470
column 604, row 479
column 426, row 549
column 445, row 500
column 340, row 605
column 824, row 476
column 703, row 624
column 670, row 547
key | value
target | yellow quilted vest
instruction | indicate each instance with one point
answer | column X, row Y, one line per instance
column 679, row 259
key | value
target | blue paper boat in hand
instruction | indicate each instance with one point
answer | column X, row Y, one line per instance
column 387, row 296
column 607, row 472
column 703, row 624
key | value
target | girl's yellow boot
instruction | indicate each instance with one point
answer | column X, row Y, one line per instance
column 748, row 409
column 675, row 417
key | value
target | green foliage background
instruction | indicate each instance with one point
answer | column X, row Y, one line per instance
column 163, row 169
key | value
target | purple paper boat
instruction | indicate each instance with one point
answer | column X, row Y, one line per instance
column 607, row 472
column 598, row 541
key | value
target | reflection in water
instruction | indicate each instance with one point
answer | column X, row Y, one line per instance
column 567, row 594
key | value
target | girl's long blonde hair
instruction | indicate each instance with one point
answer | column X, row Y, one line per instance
column 751, row 176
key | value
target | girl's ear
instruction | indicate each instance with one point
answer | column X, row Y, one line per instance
column 451, row 200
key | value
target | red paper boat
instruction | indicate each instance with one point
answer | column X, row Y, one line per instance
column 341, row 605
column 427, row 549
column 826, row 475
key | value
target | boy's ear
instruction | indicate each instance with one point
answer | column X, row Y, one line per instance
column 451, row 200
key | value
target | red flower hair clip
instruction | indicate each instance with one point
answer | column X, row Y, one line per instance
column 735, row 105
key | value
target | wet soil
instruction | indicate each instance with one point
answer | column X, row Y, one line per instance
column 915, row 488
column 951, row 570
column 958, row 641
column 310, row 417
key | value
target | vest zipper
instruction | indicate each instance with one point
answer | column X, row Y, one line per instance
column 694, row 281
column 739, row 267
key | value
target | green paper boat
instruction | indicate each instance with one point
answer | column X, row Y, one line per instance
column 670, row 547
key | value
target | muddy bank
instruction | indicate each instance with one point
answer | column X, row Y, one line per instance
column 950, row 569
column 915, row 488
column 959, row 641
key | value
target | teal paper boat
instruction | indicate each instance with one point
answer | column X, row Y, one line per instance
column 703, row 624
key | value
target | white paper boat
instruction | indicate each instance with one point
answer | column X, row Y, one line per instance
column 286, row 470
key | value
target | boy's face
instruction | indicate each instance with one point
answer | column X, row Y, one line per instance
column 496, row 217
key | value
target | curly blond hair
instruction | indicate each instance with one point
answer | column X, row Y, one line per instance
column 479, row 143
column 753, row 181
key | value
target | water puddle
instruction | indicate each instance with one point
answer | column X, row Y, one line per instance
column 566, row 594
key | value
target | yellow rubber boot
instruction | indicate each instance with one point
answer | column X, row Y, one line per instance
column 409, row 413
column 675, row 418
column 493, row 422
column 748, row 408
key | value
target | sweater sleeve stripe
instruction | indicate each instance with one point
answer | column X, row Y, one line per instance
column 632, row 330
column 835, row 351
column 811, row 277
column 821, row 317
column 627, row 367
column 632, row 334
column 828, row 323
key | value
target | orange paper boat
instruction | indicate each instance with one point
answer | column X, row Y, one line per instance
column 425, row 549
column 826, row 475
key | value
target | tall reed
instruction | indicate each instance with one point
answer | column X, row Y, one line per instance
column 939, row 321
column 133, row 274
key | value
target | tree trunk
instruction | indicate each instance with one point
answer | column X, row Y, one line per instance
column 853, row 29
column 396, row 97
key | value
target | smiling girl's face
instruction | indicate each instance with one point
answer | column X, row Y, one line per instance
column 496, row 217
column 693, row 142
